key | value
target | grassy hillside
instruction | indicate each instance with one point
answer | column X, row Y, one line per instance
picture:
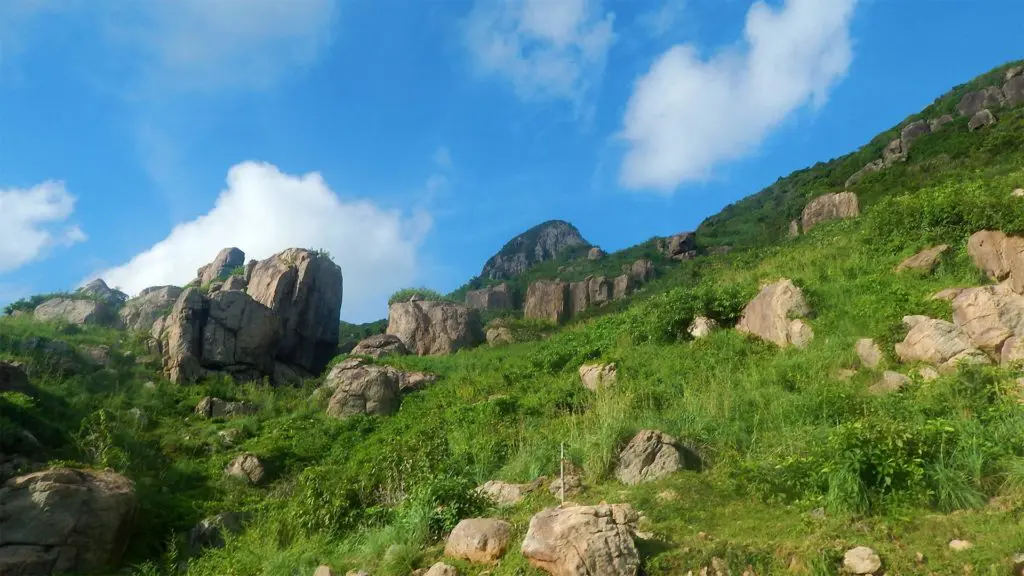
column 780, row 433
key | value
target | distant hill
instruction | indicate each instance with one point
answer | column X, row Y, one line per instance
column 541, row 243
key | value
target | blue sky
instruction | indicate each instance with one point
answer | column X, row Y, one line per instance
column 413, row 138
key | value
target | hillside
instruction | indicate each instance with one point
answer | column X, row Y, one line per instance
column 767, row 459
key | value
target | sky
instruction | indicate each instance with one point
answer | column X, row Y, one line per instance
column 413, row 138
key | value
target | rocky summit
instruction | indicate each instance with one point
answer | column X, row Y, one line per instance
column 538, row 244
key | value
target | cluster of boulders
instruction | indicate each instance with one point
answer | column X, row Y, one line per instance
column 560, row 301
column 682, row 246
column 837, row 206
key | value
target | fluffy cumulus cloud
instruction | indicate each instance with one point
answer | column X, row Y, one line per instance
column 546, row 48
column 263, row 211
column 686, row 115
column 32, row 221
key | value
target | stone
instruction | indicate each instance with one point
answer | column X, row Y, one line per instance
column 622, row 286
column 246, row 467
column 180, row 337
column 869, row 168
column 770, row 315
column 947, row 294
column 14, row 379
column 869, row 353
column 913, row 131
column 231, row 436
column 960, row 545
column 829, row 207
column 304, row 291
column 800, row 333
column 861, row 560
column 491, row 298
column 1013, row 91
column 65, row 520
column 598, row 376
column 890, row 382
column 543, row 242
column 1017, row 193
column 548, row 300
column 925, row 260
column 701, row 327
column 794, row 227
column 414, row 380
column 642, row 271
column 75, row 311
column 362, row 388
column 1014, row 71
column 499, row 335
column 324, row 570
column 482, row 540
column 1012, row 350
column 223, row 263
column 431, row 328
column 238, row 332
column 939, row 122
column 651, row 455
column 595, row 253
column 989, row 315
column 592, row 291
column 235, row 282
column 893, row 153
column 99, row 290
column 573, row 484
column 209, row 533
column 928, row 374
column 974, row 102
column 981, row 119
column 96, row 355
column 508, row 493
column 936, row 342
column 210, row 407
column 441, row 569
column 140, row 313
column 682, row 246
column 1000, row 256
column 380, row 346
column 583, row 541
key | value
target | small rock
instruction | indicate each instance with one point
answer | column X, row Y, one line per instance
column 651, row 455
column 919, row 558
column 246, row 467
column 441, row 569
column 507, row 493
column 960, row 545
column 597, row 376
column 861, row 560
column 701, row 327
column 483, row 540
column 890, row 382
column 869, row 353
column 230, row 437
column 927, row 373
column 925, row 260
column 1017, row 192
column 981, row 119
column 210, row 407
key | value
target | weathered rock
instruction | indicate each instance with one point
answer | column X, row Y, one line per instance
column 75, row 311
column 960, row 545
column 651, row 455
column 1013, row 72
column 770, row 314
column 181, row 337
column 989, row 315
column 235, row 282
column 829, row 207
column 209, row 533
column 682, row 246
column 408, row 381
column 947, row 294
column 64, row 520
column 893, row 153
column 981, row 119
column 246, row 467
column 380, row 346
column 928, row 374
column 98, row 289
column 800, row 333
column 548, row 300
column 925, row 260
column 642, row 271
column 432, row 328
column 701, row 327
column 861, row 560
column 592, row 291
column 483, row 540
column 140, row 313
column 1017, row 193
column 794, row 227
column 869, row 168
column 499, row 335
column 999, row 256
column 913, row 131
column 936, row 342
column 304, row 290
column 573, row 484
column 362, row 388
column 622, row 286
column 325, row 570
column 14, row 379
column 973, row 102
column 543, row 242
column 238, row 331
column 939, row 122
column 583, row 541
column 491, row 298
column 597, row 376
column 441, row 569
column 226, row 260
column 507, row 493
column 869, row 353
column 1013, row 91
column 595, row 253
column 890, row 382
column 211, row 407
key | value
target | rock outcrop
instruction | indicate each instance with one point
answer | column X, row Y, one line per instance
column 925, row 260
column 597, row 376
column 98, row 290
column 829, row 207
column 362, row 388
column 595, row 253
column 651, row 455
column 140, row 313
column 491, row 298
column 380, row 346
column 482, row 540
column 974, row 102
column 1001, row 257
column 548, row 300
column 65, row 520
column 508, row 493
column 773, row 315
column 682, row 246
column 80, row 311
column 304, row 290
column 246, row 467
column 223, row 264
column 543, row 242
column 936, row 342
column 430, row 328
column 989, row 315
column 642, row 271
column 590, row 292
column 981, row 119
column 583, row 541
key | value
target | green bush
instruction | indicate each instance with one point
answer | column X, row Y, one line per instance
column 405, row 294
column 666, row 317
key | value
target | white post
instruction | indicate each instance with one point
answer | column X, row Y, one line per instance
column 561, row 472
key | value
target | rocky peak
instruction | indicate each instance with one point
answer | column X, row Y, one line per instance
column 542, row 242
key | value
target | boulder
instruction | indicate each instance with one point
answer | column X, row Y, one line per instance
column 651, row 455
column 441, row 569
column 246, row 467
column 973, row 102
column 140, row 313
column 642, row 271
column 861, row 560
column 491, row 298
column 869, row 168
column 239, row 335
column 325, row 570
column 209, row 533
column 939, row 122
column 180, row 335
column 541, row 243
column 770, row 315
column 210, row 407
column 362, row 388
column 591, row 291
column 482, row 540
column 829, row 207
column 14, row 379
column 77, row 311
column 380, row 346
column 989, row 315
column 98, row 290
column 869, row 353
column 226, row 260
column 981, row 119
column 1017, row 193
column 947, row 294
column 499, row 335
column 507, row 493
column 583, row 541
column 431, row 328
column 1013, row 91
column 597, row 376
column 682, row 246
column 701, row 327
column 936, row 342
column 1000, row 256
column 794, row 227
column 304, row 290
column 595, row 253
column 925, row 260
column 235, row 282
column 888, row 383
column 548, row 300
column 912, row 131
column 893, row 153
column 65, row 520
column 622, row 286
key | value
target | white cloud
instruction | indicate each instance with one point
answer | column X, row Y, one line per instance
column 660, row 21
column 546, row 48
column 32, row 221
column 264, row 211
column 687, row 115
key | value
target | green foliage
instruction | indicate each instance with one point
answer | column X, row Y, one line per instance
column 666, row 317
column 237, row 271
column 405, row 294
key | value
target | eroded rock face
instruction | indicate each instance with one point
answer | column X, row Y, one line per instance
column 482, row 540
column 925, row 260
column 180, row 336
column 226, row 260
column 642, row 271
column 829, row 207
column 431, row 328
column 64, row 520
column 234, row 282
column 14, row 379
column 597, row 376
column 304, row 290
column 651, row 455
column 538, row 244
column 590, row 292
column 893, row 153
column 508, row 493
column 583, row 541
column 773, row 314
column 973, row 102
column 491, row 298
column 549, row 300
column 1013, row 90
column 239, row 332
column 936, row 342
column 140, row 313
column 981, row 119
column 914, row 130
column 1001, row 257
column 682, row 246
column 98, row 289
column 75, row 311
column 989, row 315
column 622, row 286
column 362, row 388
column 380, row 346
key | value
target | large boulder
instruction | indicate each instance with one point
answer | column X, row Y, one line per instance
column 598, row 376
column 98, row 289
column 491, row 298
column 180, row 337
column 973, row 102
column 774, row 314
column 939, row 122
column 80, row 311
column 981, row 119
column 65, row 520
column 829, row 207
column 380, row 346
column 682, row 246
column 362, row 388
column 893, row 153
column 590, row 292
column 140, row 313
column 583, row 541
column 622, row 286
column 304, row 289
column 548, row 300
column 913, row 131
column 1001, row 257
column 936, row 342
column 989, row 315
column 543, row 242
column 482, row 540
column 868, row 352
column 1013, row 90
column 651, row 455
column 430, row 328
column 642, row 271
column 923, row 261
column 226, row 260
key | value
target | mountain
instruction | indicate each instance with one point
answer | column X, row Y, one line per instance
column 541, row 243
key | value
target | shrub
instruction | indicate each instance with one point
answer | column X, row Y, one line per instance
column 405, row 294
column 666, row 317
